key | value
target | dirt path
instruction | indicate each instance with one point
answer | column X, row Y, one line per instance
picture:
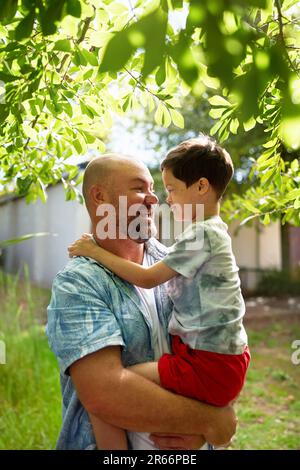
column 263, row 309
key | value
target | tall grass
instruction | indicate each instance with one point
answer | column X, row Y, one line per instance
column 30, row 414
column 29, row 381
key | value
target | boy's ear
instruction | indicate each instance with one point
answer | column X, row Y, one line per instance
column 203, row 185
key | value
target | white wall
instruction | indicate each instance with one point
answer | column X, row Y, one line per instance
column 44, row 256
column 270, row 246
column 257, row 248
column 244, row 245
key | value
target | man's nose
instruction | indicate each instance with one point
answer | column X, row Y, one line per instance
column 168, row 199
column 151, row 198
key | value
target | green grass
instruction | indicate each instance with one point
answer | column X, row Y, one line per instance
column 269, row 406
column 29, row 381
column 30, row 403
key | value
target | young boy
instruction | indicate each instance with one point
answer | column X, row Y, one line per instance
column 209, row 356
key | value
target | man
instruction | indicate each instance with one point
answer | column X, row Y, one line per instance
column 99, row 324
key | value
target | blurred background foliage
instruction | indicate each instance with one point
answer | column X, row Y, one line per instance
column 69, row 66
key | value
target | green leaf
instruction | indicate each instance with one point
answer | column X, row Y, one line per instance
column 79, row 58
column 6, row 78
column 151, row 104
column 166, row 117
column 117, row 8
column 177, row 3
column 162, row 116
column 269, row 163
column 266, row 219
column 265, row 155
column 250, row 207
column 100, row 38
column 14, row 241
column 70, row 194
column 23, row 185
column 41, row 190
column 153, row 27
column 216, row 113
column 295, row 193
column 250, row 124
column 77, row 146
column 258, row 3
column 266, row 177
column 117, row 53
column 50, row 15
column 148, row 32
column 288, row 4
column 88, row 74
column 67, row 108
column 90, row 57
column 183, row 57
column 127, row 103
column 72, row 171
column 289, row 130
column 73, row 8
column 63, row 45
column 29, row 131
column 160, row 75
column 219, row 101
column 86, row 110
column 90, row 139
column 297, row 203
column 270, row 143
column 158, row 116
column 234, row 125
column 216, row 127
column 90, row 104
column 24, row 28
column 177, row 118
column 8, row 9
column 295, row 165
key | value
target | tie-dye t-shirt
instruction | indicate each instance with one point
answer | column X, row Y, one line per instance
column 208, row 304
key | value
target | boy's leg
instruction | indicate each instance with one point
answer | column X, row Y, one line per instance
column 108, row 437
column 149, row 370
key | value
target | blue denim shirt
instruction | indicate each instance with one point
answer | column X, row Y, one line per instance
column 92, row 308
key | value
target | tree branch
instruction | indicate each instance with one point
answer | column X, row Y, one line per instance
column 85, row 28
column 281, row 34
column 132, row 10
column 141, row 85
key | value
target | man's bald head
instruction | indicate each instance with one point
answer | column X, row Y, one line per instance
column 104, row 170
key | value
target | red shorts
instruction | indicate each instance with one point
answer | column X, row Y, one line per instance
column 210, row 377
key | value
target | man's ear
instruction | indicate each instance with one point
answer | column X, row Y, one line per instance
column 203, row 186
column 97, row 194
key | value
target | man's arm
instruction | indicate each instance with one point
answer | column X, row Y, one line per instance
column 118, row 396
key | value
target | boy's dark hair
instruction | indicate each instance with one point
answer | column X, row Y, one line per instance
column 197, row 158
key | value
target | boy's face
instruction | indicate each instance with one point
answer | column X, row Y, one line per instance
column 181, row 199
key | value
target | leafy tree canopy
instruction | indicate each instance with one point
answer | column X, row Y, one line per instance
column 67, row 65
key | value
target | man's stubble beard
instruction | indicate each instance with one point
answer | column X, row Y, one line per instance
column 140, row 234
column 122, row 229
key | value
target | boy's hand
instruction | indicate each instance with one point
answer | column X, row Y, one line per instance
column 177, row 442
column 84, row 246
